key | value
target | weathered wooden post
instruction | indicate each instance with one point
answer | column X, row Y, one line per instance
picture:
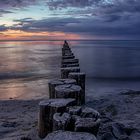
column 61, row 121
column 70, row 61
column 47, row 109
column 80, row 79
column 68, row 54
column 69, row 91
column 65, row 71
column 66, row 51
column 60, row 112
column 74, row 110
column 67, row 135
column 70, row 65
column 56, row 82
column 68, row 57
column 65, row 45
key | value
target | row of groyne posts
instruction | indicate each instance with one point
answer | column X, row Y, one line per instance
column 64, row 115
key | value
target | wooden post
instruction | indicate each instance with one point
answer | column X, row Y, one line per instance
column 65, row 51
column 47, row 109
column 70, row 61
column 70, row 65
column 67, row 135
column 69, row 91
column 61, row 121
column 65, row 45
column 74, row 110
column 56, row 82
column 68, row 57
column 80, row 79
column 65, row 71
column 68, row 54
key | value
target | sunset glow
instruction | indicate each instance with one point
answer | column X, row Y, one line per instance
column 22, row 35
column 59, row 19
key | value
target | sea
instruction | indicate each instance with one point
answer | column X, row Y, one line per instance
column 111, row 67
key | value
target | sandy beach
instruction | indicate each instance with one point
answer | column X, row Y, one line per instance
column 18, row 118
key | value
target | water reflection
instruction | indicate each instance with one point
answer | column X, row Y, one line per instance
column 110, row 59
column 25, row 68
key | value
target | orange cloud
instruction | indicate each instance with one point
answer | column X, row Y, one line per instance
column 22, row 35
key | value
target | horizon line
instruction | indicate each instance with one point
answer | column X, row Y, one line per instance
column 76, row 40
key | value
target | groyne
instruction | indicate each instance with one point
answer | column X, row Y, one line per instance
column 64, row 114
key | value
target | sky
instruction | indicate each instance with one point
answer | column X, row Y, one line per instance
column 69, row 19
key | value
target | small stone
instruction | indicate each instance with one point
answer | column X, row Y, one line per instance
column 118, row 130
column 88, row 112
column 87, row 125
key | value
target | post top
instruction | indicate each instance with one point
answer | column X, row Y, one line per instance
column 56, row 102
column 67, row 88
column 70, row 68
column 77, row 73
column 62, row 81
column 67, row 135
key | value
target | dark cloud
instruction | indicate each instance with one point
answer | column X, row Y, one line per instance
column 109, row 6
column 83, row 26
column 89, row 17
column 51, row 24
column 23, row 21
column 4, row 12
column 107, row 10
column 3, row 28
column 58, row 4
column 15, row 3
column 6, row 6
column 112, row 18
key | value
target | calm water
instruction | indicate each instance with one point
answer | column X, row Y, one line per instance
column 26, row 67
column 110, row 59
